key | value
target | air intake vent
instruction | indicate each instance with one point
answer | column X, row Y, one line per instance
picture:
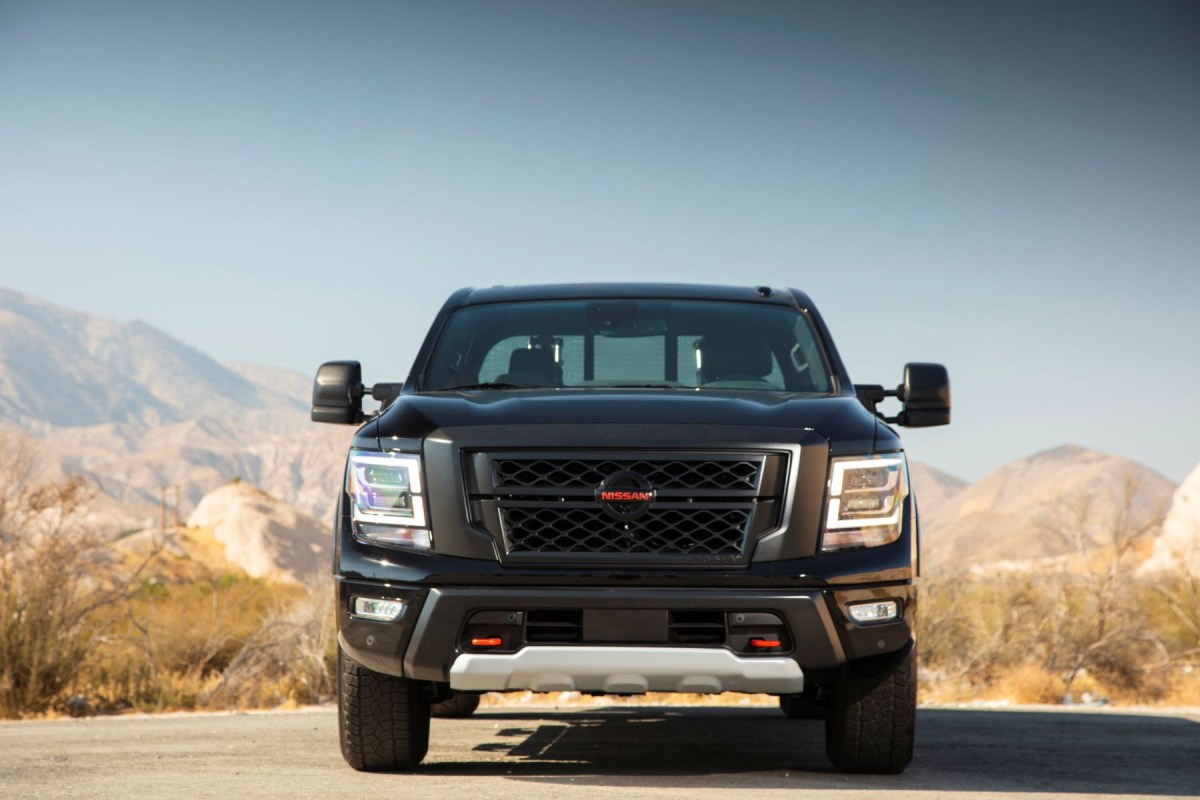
column 705, row 531
column 697, row 627
column 554, row 627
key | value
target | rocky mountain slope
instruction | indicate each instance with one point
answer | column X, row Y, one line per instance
column 1020, row 510
column 934, row 488
column 67, row 368
column 133, row 410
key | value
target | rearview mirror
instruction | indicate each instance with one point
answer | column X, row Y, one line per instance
column 337, row 393
column 925, row 394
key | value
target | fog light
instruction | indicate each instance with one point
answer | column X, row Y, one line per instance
column 884, row 611
column 376, row 609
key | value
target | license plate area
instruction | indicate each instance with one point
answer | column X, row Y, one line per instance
column 625, row 626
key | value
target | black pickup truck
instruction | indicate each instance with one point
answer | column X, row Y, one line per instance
column 627, row 488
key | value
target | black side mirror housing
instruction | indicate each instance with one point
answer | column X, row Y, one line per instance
column 925, row 394
column 337, row 393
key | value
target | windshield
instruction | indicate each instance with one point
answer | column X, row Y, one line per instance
column 628, row 343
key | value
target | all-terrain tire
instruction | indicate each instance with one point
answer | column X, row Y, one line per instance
column 872, row 724
column 459, row 705
column 383, row 721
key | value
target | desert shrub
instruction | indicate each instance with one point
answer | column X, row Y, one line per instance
column 289, row 658
column 58, row 574
column 172, row 640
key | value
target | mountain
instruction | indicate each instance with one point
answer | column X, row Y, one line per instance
column 933, row 488
column 1020, row 510
column 133, row 410
column 67, row 368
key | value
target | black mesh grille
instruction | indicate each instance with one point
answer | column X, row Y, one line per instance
column 577, row 473
column 542, row 506
column 706, row 531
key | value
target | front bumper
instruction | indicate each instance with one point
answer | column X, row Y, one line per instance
column 426, row 642
column 625, row 670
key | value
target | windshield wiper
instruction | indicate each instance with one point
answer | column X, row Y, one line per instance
column 641, row 386
column 467, row 387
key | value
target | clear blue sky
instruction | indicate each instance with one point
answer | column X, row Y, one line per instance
column 1012, row 189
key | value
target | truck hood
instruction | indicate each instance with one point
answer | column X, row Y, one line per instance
column 840, row 418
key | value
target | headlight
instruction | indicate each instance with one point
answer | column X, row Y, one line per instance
column 387, row 505
column 866, row 501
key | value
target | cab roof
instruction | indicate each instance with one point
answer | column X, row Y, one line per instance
column 632, row 291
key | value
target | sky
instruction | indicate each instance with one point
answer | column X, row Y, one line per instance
column 1012, row 189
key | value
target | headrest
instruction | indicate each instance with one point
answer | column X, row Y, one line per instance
column 526, row 360
column 733, row 357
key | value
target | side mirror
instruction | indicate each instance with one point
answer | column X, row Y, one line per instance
column 925, row 394
column 337, row 393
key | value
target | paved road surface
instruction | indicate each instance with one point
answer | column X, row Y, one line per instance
column 602, row 753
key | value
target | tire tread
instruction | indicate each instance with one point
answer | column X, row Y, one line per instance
column 383, row 720
column 872, row 725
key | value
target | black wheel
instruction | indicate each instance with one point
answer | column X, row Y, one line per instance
column 872, row 723
column 383, row 721
column 459, row 705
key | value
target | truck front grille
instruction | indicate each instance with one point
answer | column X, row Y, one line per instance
column 589, row 472
column 710, row 531
column 544, row 507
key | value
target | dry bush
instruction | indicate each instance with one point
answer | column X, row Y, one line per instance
column 1099, row 622
column 1026, row 683
column 1184, row 687
column 1029, row 635
column 974, row 628
column 1088, row 622
column 57, row 574
column 289, row 659
column 1175, row 599
column 170, row 643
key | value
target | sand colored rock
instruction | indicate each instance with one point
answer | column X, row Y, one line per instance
column 263, row 535
column 1179, row 544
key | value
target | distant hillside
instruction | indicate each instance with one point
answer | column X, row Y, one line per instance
column 1007, row 515
column 133, row 410
column 67, row 368
column 933, row 488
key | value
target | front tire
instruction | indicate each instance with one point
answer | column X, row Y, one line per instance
column 383, row 721
column 872, row 724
